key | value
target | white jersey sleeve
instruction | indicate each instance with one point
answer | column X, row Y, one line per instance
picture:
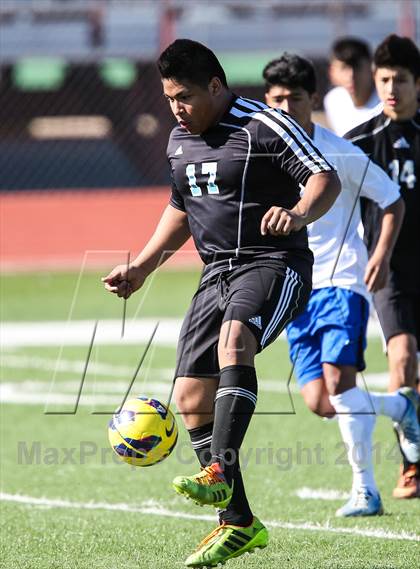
column 338, row 248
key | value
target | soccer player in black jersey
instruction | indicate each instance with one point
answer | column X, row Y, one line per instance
column 327, row 340
column 392, row 140
column 236, row 166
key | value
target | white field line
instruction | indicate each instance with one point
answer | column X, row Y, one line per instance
column 72, row 386
column 79, row 332
column 306, row 493
column 14, row 361
column 151, row 509
column 34, row 392
column 31, row 392
column 14, row 394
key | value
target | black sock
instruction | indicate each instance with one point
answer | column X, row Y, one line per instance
column 234, row 405
column 238, row 512
column 201, row 441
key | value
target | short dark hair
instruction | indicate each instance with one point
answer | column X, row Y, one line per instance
column 396, row 51
column 351, row 51
column 291, row 71
column 192, row 61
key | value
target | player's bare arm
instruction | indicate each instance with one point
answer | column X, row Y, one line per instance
column 377, row 269
column 171, row 233
column 321, row 191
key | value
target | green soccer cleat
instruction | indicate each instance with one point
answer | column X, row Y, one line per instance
column 228, row 541
column 209, row 487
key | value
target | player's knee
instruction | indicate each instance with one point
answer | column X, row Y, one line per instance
column 231, row 338
column 230, row 355
column 318, row 409
column 237, row 344
column 183, row 401
column 191, row 397
column 314, row 406
column 185, row 398
column 318, row 406
column 404, row 360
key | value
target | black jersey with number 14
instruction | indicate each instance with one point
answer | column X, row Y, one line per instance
column 395, row 146
column 227, row 178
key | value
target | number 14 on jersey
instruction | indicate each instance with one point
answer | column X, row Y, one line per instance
column 406, row 176
column 207, row 168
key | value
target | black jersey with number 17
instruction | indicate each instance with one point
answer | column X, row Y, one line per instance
column 227, row 178
column 395, row 146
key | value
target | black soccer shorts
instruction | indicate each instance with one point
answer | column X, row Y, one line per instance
column 264, row 294
column 398, row 312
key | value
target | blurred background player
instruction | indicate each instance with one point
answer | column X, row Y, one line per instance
column 353, row 100
column 327, row 340
column 392, row 140
column 257, row 268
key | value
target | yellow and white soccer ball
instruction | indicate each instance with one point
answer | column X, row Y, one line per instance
column 143, row 432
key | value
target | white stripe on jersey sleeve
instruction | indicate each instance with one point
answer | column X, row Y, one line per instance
column 296, row 131
column 372, row 133
column 291, row 142
column 237, row 113
column 301, row 136
column 250, row 105
column 305, row 158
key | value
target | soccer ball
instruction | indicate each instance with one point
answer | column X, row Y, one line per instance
column 143, row 432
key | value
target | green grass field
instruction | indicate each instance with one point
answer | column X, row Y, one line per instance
column 67, row 503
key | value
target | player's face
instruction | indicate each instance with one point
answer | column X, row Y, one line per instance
column 398, row 91
column 356, row 80
column 297, row 102
column 194, row 107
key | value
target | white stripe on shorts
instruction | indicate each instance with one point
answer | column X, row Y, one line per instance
column 289, row 285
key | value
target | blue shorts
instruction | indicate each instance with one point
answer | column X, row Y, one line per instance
column 332, row 329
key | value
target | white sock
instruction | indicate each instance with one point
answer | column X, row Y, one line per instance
column 356, row 432
column 389, row 404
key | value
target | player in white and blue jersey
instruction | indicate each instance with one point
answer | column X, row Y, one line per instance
column 328, row 339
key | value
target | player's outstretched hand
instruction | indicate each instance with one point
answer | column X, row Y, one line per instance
column 124, row 280
column 376, row 273
column 280, row 221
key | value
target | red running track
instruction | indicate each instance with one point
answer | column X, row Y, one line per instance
column 54, row 230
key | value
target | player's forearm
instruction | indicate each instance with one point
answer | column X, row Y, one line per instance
column 170, row 234
column 390, row 228
column 320, row 193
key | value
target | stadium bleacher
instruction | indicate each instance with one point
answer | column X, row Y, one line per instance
column 83, row 59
